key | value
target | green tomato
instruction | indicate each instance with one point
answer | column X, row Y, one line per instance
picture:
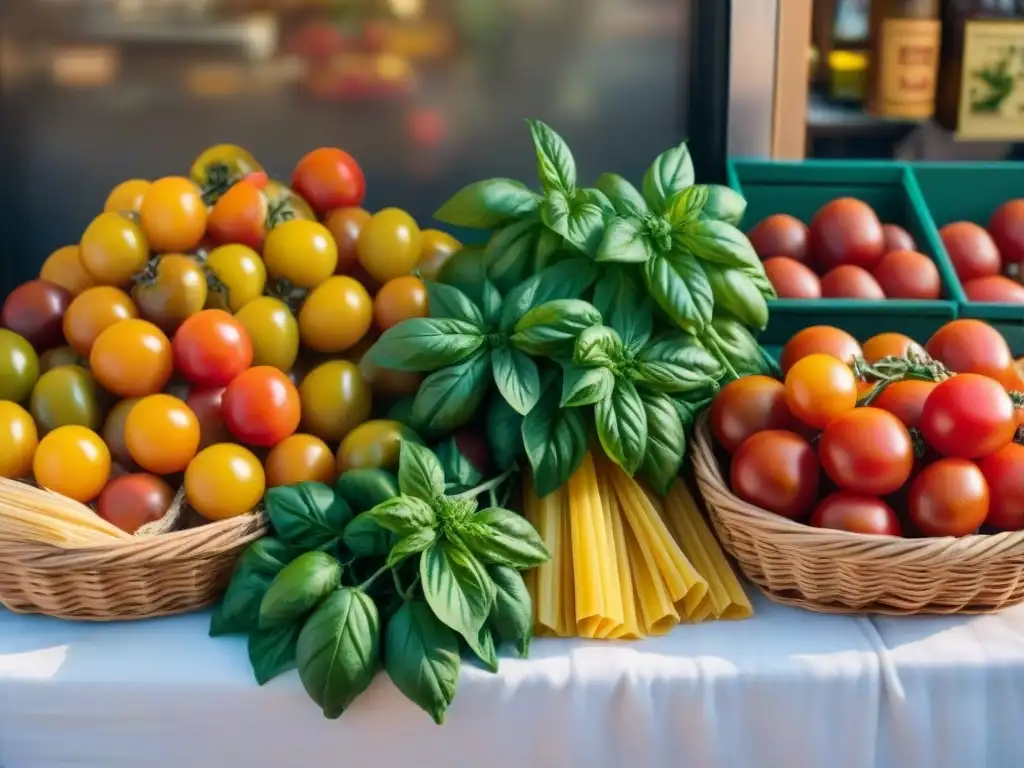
column 19, row 367
column 66, row 395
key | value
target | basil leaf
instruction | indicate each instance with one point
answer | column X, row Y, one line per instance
column 761, row 281
column 491, row 303
column 509, row 253
column 426, row 344
column 412, row 544
column 504, row 433
column 365, row 537
column 419, row 472
column 598, row 345
column 272, row 651
column 455, row 511
column 364, row 489
column 483, row 647
column 626, row 309
column 465, row 269
column 297, row 589
column 625, row 241
column 622, row 426
column 546, row 249
column 624, row 197
column 422, row 658
column 239, row 610
column 666, row 441
column 448, row 399
column 555, row 440
column 556, row 168
column 566, row 280
column 448, row 302
column 676, row 362
column 338, row 651
column 512, row 613
column 460, row 474
column 517, row 378
column 585, row 386
column 737, row 293
column 307, row 515
column 738, row 346
column 552, row 328
column 500, row 537
column 487, row 204
column 579, row 219
column 670, row 172
column 404, row 515
column 401, row 411
column 681, row 288
column 717, row 242
column 686, row 205
column 456, row 587
column 724, row 204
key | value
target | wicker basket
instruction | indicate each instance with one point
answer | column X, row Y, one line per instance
column 166, row 568
column 839, row 572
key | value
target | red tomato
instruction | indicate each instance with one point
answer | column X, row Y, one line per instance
column 867, row 451
column 1004, row 474
column 971, row 249
column 132, row 501
column 971, row 346
column 949, row 498
column 905, row 400
column 890, row 345
column 35, row 310
column 791, row 279
column 908, row 275
column 778, row 471
column 211, row 348
column 261, row 406
column 206, row 405
column 994, row 288
column 240, row 216
column 329, row 178
column 823, row 339
column 897, row 238
column 747, row 406
column 850, row 282
column 819, row 388
column 968, row 416
column 1007, row 229
column 856, row 514
column 780, row 235
column 845, row 231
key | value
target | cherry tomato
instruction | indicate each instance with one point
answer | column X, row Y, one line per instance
column 162, row 434
column 64, row 267
column 819, row 388
column 218, row 167
column 113, row 248
column 172, row 291
column 850, row 282
column 329, row 178
column 971, row 346
column 300, row 459
column 58, row 356
column 390, row 244
column 778, row 471
column 971, row 249
column 897, row 238
column 335, row 316
column 905, row 400
column 792, row 279
column 285, row 203
column 335, row 400
column 780, row 235
column 224, row 481
column 19, row 367
column 968, row 416
column 18, row 441
column 92, row 312
column 852, row 512
column 845, row 231
column 388, row 382
column 261, row 406
column 747, row 406
column 1007, row 229
column 273, row 330
column 132, row 501
column 819, row 339
column 132, row 358
column 113, row 431
column 345, row 225
column 994, row 288
column 1004, row 475
column 240, row 216
column 173, row 214
column 867, row 451
column 239, row 277
column 436, row 248
column 126, row 196
column 908, row 275
column 373, row 445
column 35, row 310
column 206, row 404
column 401, row 298
column 300, row 252
column 72, row 461
column 890, row 345
column 66, row 395
column 949, row 498
column 211, row 348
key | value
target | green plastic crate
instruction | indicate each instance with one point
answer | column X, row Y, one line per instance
column 972, row 192
column 800, row 189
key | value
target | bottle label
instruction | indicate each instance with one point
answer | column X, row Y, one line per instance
column 992, row 82
column 909, row 62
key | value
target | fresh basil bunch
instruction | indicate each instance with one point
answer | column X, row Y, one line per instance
column 314, row 595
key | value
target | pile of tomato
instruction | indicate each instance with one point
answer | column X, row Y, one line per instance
column 988, row 259
column 879, row 439
column 209, row 331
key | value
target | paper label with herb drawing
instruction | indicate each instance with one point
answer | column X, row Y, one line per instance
column 992, row 86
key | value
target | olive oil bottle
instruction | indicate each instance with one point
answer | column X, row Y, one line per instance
column 904, row 65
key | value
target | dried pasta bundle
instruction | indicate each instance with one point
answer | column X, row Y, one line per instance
column 32, row 514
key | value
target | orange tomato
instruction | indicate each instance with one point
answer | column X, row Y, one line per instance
column 401, row 298
column 298, row 459
column 72, row 461
column 19, row 439
column 345, row 225
column 64, row 267
column 436, row 248
column 239, row 216
column 92, row 312
column 113, row 249
column 905, row 400
column 162, row 434
column 335, row 316
column 224, row 481
column 126, row 196
column 820, row 387
column 890, row 345
column 819, row 339
column 132, row 359
column 173, row 214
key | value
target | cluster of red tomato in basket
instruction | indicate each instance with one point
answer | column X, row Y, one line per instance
column 885, row 438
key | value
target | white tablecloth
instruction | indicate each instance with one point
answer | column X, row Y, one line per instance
column 786, row 689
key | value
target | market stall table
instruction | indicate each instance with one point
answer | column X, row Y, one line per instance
column 786, row 688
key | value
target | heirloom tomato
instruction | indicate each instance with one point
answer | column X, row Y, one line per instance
column 66, row 395
column 220, row 166
column 335, row 315
column 850, row 282
column 58, row 356
column 261, row 406
column 211, row 348
column 132, row 358
column 819, row 339
column 390, row 244
column 224, row 481
column 436, row 247
column 113, row 248
column 778, row 471
column 19, row 367
column 239, row 276
column 388, row 382
column 780, row 235
column 401, row 298
column 35, row 311
column 72, row 461
column 908, row 275
column 845, row 231
column 747, row 406
column 300, row 252
column 867, row 451
column 1004, row 474
column 239, row 216
column 972, row 346
column 173, row 214
column 335, row 400
column 64, row 267
column 890, row 345
column 1007, row 229
column 949, row 498
column 131, row 501
column 897, row 238
column 18, row 441
column 329, row 178
column 791, row 279
column 273, row 330
column 345, row 224
column 113, row 431
column 971, row 249
column 92, row 312
column 126, row 196
column 968, row 416
column 285, row 204
column 994, row 288
column 173, row 290
column 373, row 445
column 206, row 405
column 851, row 512
column 300, row 459
column 819, row 388
column 162, row 434
column 905, row 400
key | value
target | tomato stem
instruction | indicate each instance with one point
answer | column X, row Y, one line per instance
column 472, row 493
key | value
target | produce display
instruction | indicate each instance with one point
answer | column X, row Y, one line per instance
column 990, row 261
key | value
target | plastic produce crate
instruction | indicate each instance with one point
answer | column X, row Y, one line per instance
column 800, row 189
column 972, row 192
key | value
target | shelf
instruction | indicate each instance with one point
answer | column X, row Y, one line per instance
column 825, row 117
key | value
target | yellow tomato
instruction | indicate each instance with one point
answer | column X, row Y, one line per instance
column 274, row 332
column 172, row 291
column 132, row 358
column 113, row 249
column 373, row 445
column 92, row 312
column 284, row 197
column 335, row 400
column 402, row 298
column 72, row 461
column 19, row 439
column 224, row 480
column 64, row 267
column 335, row 316
column 301, row 252
column 389, row 244
column 299, row 459
column 220, row 165
column 161, row 434
column 126, row 196
column 173, row 214
column 239, row 277
column 437, row 248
